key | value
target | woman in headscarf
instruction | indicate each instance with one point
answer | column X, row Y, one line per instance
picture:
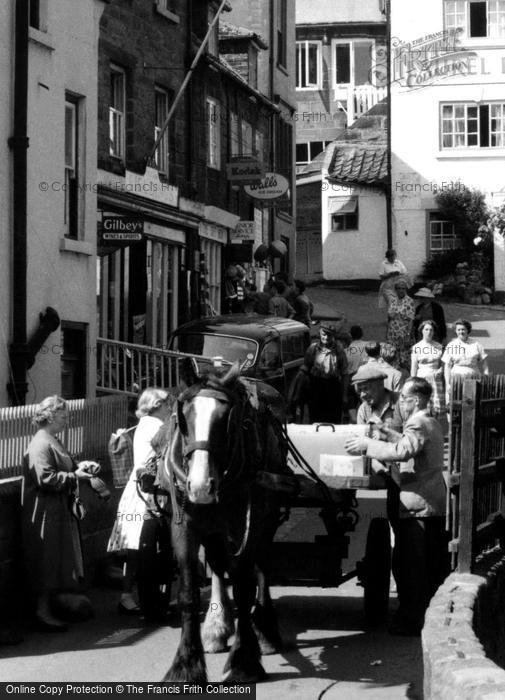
column 326, row 366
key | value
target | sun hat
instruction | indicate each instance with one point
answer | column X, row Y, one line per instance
column 425, row 293
column 368, row 373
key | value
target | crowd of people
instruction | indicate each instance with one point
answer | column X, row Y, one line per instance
column 397, row 388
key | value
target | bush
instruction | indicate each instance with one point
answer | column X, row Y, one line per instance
column 444, row 263
column 467, row 208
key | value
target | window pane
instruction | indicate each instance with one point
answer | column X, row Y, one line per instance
column 302, row 152
column 478, row 19
column 362, row 62
column 312, row 64
column 343, row 63
column 316, row 148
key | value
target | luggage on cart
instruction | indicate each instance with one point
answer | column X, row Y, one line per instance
column 322, row 446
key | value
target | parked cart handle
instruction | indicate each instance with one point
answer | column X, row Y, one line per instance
column 325, row 425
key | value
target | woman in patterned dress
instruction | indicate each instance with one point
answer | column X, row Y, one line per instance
column 462, row 357
column 152, row 409
column 427, row 363
column 401, row 312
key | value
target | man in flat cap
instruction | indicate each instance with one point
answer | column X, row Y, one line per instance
column 378, row 404
column 416, row 456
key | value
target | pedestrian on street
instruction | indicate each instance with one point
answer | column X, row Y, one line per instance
column 401, row 314
column 394, row 378
column 50, row 518
column 137, row 525
column 301, row 304
column 463, row 358
column 325, row 364
column 420, row 559
column 278, row 305
column 429, row 310
column 427, row 363
column 391, row 271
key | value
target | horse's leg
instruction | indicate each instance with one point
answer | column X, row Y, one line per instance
column 189, row 661
column 244, row 661
column 264, row 616
column 219, row 624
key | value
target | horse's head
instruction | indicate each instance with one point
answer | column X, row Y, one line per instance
column 203, row 413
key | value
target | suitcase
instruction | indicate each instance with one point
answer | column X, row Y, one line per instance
column 322, row 446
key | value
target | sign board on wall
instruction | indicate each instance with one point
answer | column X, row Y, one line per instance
column 245, row 170
column 272, row 186
column 114, row 229
column 243, row 232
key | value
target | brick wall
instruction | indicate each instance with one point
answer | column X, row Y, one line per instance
column 463, row 637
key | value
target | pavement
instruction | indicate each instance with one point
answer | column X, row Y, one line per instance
column 330, row 653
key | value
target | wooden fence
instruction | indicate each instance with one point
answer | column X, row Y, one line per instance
column 91, row 422
column 476, row 470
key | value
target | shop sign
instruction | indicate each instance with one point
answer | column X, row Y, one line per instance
column 244, row 231
column 121, row 228
column 272, row 186
column 245, row 170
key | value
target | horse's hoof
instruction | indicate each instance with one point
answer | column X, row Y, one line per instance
column 238, row 675
column 191, row 672
column 215, row 646
column 268, row 648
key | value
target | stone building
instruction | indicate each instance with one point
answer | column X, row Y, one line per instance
column 61, row 49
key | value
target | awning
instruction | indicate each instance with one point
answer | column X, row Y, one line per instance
column 342, row 205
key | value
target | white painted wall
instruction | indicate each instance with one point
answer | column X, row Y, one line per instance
column 349, row 255
column 6, row 107
column 63, row 58
column 419, row 164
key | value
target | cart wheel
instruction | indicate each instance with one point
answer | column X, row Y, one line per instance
column 377, row 572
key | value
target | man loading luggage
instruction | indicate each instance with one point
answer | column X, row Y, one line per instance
column 420, row 559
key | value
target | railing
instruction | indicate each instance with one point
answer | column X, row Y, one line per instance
column 476, row 478
column 90, row 424
column 358, row 99
column 127, row 368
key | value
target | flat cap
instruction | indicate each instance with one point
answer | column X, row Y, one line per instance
column 368, row 373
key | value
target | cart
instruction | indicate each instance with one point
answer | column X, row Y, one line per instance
column 319, row 562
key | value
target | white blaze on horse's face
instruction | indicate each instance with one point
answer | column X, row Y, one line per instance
column 202, row 487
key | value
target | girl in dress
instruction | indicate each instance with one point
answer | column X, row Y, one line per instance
column 463, row 357
column 427, row 363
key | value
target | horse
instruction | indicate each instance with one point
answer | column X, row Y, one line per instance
column 225, row 470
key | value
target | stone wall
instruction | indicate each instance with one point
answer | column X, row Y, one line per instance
column 464, row 635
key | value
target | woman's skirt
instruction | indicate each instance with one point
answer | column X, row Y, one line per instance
column 130, row 516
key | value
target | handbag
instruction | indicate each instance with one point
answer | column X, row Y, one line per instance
column 76, row 505
column 120, row 450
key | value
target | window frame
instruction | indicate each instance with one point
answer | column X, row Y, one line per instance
column 162, row 153
column 319, row 68
column 213, row 106
column 72, row 170
column 352, row 68
column 348, row 225
column 453, row 236
column 499, row 135
column 492, row 8
column 117, row 116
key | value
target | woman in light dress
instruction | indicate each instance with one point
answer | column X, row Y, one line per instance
column 463, row 357
column 152, row 410
column 427, row 363
column 391, row 271
column 401, row 312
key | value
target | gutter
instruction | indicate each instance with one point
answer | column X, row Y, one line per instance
column 18, row 143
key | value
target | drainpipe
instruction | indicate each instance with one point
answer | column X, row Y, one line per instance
column 389, row 184
column 271, row 67
column 18, row 143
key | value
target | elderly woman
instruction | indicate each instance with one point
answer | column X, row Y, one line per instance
column 401, row 314
column 427, row 363
column 462, row 357
column 429, row 310
column 51, row 536
column 326, row 366
column 391, row 271
column 136, row 526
